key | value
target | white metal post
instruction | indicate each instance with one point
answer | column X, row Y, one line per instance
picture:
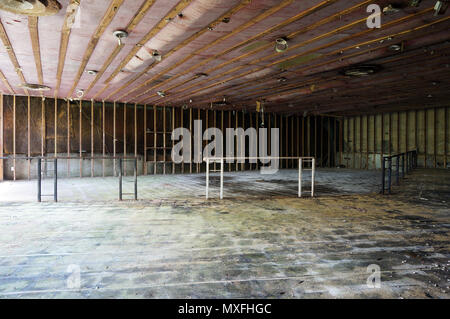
column 300, row 165
column 221, row 177
column 207, row 177
column 313, row 175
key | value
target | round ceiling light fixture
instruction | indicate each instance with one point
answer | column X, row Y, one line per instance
column 396, row 47
column 161, row 94
column 120, row 34
column 361, row 70
column 156, row 55
column 92, row 72
column 281, row 45
column 80, row 93
column 35, row 87
column 34, row 8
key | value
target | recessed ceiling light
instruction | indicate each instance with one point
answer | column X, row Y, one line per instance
column 395, row 47
column 161, row 93
column 156, row 55
column 361, row 70
column 92, row 72
column 281, row 45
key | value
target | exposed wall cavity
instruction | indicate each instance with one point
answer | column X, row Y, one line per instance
column 368, row 137
column 79, row 129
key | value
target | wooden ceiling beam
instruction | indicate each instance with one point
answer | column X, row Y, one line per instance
column 34, row 35
column 392, row 23
column 193, row 37
column 69, row 20
column 161, row 24
column 264, row 47
column 236, row 31
column 12, row 55
column 104, row 23
column 5, row 81
column 145, row 7
column 405, row 60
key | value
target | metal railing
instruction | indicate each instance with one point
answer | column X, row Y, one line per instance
column 221, row 160
column 404, row 163
column 55, row 159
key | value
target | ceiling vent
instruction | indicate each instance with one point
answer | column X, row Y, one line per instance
column 361, row 70
column 35, row 87
column 31, row 7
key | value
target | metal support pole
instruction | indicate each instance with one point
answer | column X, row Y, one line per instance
column 222, row 166
column 39, row 184
column 313, row 176
column 55, row 181
column 403, row 165
column 120, row 179
column 135, row 179
column 207, row 177
column 407, row 162
column 383, row 174
column 300, row 166
column 397, row 168
column 389, row 174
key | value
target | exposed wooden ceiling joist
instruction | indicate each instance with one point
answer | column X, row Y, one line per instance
column 69, row 20
column 104, row 23
column 12, row 55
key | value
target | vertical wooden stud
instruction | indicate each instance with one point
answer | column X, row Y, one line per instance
column 242, row 146
column 341, row 141
column 199, row 118
column 103, row 138
column 135, row 131
column 155, row 139
column 68, row 138
column 125, row 138
column 173, row 142
column 14, row 137
column 29, row 135
column 81, row 138
column 114, row 137
column 1, row 138
column 182, row 143
column 164, row 140
column 229, row 125
column 145, row 140
column 92, row 138
column 56, row 127
column 190, row 130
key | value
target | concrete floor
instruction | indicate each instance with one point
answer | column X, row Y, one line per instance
column 260, row 242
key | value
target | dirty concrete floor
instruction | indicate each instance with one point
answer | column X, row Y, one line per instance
column 260, row 242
